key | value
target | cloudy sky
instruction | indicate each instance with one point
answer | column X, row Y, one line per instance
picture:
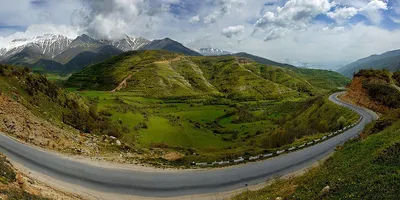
column 324, row 33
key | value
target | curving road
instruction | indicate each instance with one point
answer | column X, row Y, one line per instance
column 167, row 184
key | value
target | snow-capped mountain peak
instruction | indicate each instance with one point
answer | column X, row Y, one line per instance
column 49, row 45
column 128, row 43
column 213, row 52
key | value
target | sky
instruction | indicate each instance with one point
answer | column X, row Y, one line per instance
column 321, row 33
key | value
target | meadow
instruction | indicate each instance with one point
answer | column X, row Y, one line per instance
column 211, row 129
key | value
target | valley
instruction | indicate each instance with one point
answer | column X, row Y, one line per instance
column 199, row 100
column 181, row 111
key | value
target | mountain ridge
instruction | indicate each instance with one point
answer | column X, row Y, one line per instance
column 389, row 60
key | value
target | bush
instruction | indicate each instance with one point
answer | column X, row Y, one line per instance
column 385, row 94
column 371, row 73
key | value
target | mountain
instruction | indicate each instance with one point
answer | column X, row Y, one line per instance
column 389, row 60
column 49, row 45
column 82, row 43
column 169, row 45
column 213, row 52
column 26, row 56
column 58, row 54
column 88, row 57
column 166, row 74
column 44, row 65
column 128, row 43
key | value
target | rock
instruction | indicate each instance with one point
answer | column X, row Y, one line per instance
column 325, row 189
column 278, row 198
column 20, row 180
column 118, row 142
column 112, row 137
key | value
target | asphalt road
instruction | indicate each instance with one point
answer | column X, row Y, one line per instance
column 172, row 184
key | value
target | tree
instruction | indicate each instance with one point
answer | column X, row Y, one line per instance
column 341, row 121
column 273, row 76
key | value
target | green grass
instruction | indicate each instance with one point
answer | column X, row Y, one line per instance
column 160, row 131
column 215, row 128
column 362, row 169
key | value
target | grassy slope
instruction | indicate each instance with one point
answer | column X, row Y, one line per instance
column 165, row 74
column 52, row 103
column 366, row 169
column 320, row 78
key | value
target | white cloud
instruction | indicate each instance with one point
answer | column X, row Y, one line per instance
column 344, row 13
column 194, row 19
column 223, row 8
column 294, row 15
column 232, row 31
column 376, row 5
column 371, row 10
column 275, row 34
column 395, row 19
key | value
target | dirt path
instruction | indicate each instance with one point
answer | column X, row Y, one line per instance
column 123, row 84
column 169, row 61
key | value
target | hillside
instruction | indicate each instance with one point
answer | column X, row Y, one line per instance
column 38, row 112
column 389, row 61
column 366, row 167
column 166, row 74
column 374, row 89
column 321, row 78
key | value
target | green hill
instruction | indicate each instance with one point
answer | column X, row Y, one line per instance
column 320, row 78
column 164, row 74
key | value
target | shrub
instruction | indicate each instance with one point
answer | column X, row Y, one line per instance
column 385, row 94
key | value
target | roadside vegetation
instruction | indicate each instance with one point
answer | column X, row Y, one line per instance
column 364, row 168
column 9, row 187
